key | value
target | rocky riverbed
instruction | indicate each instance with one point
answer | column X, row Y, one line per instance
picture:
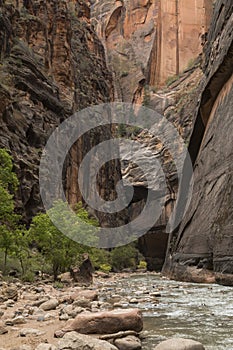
column 44, row 317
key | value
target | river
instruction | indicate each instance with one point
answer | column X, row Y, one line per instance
column 201, row 312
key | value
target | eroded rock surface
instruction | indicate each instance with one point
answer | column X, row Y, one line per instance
column 52, row 65
column 148, row 41
column 204, row 238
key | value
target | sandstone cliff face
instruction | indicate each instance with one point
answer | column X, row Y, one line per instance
column 51, row 64
column 177, row 104
column 147, row 41
column 182, row 26
column 204, row 238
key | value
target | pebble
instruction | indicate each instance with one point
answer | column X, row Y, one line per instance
column 30, row 331
column 18, row 320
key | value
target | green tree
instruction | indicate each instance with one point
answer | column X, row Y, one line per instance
column 58, row 250
column 8, row 178
column 20, row 248
column 124, row 257
column 8, row 219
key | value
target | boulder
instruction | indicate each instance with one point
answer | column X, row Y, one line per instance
column 74, row 341
column 49, row 305
column 180, row 344
column 83, row 274
column 65, row 277
column 128, row 343
column 105, row 322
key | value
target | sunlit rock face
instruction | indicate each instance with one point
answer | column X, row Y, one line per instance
column 204, row 238
column 147, row 41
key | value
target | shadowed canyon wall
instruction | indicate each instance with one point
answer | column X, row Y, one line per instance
column 204, row 239
column 51, row 65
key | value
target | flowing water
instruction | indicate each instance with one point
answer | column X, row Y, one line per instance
column 201, row 312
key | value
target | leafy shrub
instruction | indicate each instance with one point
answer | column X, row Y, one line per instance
column 99, row 257
column 105, row 268
column 28, row 277
column 142, row 265
column 124, row 257
column 58, row 285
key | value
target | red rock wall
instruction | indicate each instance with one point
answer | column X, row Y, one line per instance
column 182, row 26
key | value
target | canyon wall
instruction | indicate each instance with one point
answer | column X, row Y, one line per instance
column 148, row 41
column 52, row 64
column 182, row 27
column 203, row 242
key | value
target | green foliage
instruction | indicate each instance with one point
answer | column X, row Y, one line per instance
column 29, row 276
column 53, row 252
column 124, row 257
column 8, row 179
column 99, row 257
column 8, row 219
column 142, row 265
column 58, row 250
column 105, row 268
column 170, row 80
column 58, row 285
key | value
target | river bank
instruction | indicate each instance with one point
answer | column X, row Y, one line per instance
column 170, row 309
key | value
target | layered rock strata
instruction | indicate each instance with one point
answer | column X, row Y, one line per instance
column 52, row 65
column 204, row 238
column 148, row 41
